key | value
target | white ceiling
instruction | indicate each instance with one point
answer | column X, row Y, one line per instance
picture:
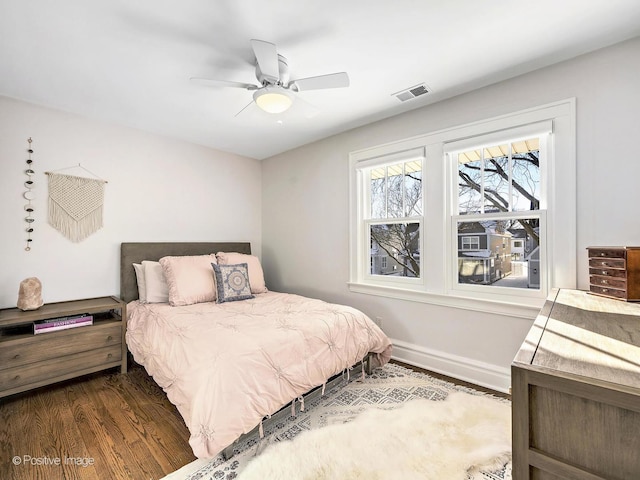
column 129, row 62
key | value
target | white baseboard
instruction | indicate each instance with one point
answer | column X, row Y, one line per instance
column 466, row 369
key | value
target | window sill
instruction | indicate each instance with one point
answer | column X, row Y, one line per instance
column 528, row 308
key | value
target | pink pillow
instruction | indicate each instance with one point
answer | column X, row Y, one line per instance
column 190, row 279
column 256, row 275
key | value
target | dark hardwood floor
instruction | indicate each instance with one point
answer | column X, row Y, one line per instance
column 102, row 426
column 123, row 425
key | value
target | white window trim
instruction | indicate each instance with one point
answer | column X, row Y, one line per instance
column 435, row 285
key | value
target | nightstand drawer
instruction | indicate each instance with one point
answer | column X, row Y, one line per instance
column 618, row 263
column 46, row 346
column 608, row 282
column 35, row 373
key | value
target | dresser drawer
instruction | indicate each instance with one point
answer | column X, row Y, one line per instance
column 618, row 263
column 607, row 252
column 608, row 292
column 46, row 346
column 63, row 366
column 608, row 272
column 608, row 282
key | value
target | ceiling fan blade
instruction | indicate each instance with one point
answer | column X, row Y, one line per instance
column 304, row 108
column 223, row 83
column 267, row 58
column 331, row 80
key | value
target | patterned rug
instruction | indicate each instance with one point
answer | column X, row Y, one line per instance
column 387, row 387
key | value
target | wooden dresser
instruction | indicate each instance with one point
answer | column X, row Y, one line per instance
column 28, row 361
column 615, row 272
column 576, row 391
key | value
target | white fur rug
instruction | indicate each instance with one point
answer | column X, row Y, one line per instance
column 449, row 439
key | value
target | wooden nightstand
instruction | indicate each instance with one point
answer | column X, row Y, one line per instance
column 28, row 361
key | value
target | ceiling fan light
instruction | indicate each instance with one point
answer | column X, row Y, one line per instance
column 273, row 99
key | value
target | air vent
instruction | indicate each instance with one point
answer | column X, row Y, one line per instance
column 411, row 92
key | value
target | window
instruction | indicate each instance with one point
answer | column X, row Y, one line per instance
column 393, row 216
column 470, row 243
column 480, row 216
column 499, row 195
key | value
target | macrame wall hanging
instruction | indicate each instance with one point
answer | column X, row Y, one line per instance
column 75, row 204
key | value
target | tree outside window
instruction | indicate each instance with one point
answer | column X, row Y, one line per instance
column 495, row 182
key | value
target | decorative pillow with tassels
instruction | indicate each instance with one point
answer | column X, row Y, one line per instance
column 232, row 282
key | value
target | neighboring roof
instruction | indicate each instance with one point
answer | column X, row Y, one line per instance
column 478, row 254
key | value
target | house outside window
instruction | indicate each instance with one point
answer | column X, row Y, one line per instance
column 480, row 216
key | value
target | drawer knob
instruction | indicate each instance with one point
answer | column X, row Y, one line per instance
column 605, row 290
column 109, row 338
column 604, row 282
column 605, row 264
column 602, row 254
column 16, row 378
column 604, row 272
column 16, row 356
column 110, row 355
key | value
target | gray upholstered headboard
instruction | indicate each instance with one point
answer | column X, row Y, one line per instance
column 131, row 253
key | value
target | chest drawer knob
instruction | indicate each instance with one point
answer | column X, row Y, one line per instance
column 16, row 356
column 16, row 378
column 109, row 338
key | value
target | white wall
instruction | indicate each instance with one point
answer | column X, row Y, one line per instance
column 159, row 190
column 305, row 206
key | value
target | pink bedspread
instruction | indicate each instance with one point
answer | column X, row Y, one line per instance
column 227, row 366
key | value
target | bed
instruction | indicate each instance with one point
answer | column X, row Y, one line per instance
column 229, row 366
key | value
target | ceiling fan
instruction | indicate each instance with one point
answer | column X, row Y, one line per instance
column 275, row 93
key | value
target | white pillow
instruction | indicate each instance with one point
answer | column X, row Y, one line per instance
column 190, row 279
column 157, row 290
column 142, row 284
column 256, row 275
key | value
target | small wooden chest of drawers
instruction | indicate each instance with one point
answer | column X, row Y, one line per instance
column 615, row 272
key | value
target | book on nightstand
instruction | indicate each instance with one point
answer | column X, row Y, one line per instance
column 62, row 323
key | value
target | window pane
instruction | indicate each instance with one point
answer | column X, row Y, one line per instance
column 378, row 193
column 526, row 175
column 496, row 179
column 413, row 188
column 469, row 182
column 396, row 190
column 508, row 253
column 395, row 249
column 395, row 195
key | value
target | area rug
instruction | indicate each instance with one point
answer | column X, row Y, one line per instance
column 390, row 387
